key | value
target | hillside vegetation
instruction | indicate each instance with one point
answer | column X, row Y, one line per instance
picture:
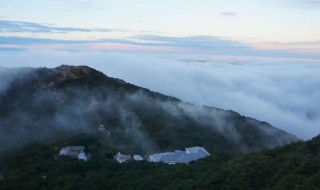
column 295, row 166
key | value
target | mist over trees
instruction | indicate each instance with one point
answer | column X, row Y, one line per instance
column 46, row 104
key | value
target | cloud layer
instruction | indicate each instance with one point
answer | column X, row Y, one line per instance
column 19, row 26
column 21, row 35
column 284, row 93
column 155, row 43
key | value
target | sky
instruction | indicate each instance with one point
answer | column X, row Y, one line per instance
column 259, row 58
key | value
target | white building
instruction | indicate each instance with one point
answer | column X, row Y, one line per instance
column 137, row 157
column 101, row 128
column 178, row 156
column 74, row 151
column 197, row 150
column 120, row 158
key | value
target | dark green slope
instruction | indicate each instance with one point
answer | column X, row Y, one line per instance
column 295, row 166
column 48, row 104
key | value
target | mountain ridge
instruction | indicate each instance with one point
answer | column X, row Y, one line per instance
column 69, row 100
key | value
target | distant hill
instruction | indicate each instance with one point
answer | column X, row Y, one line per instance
column 43, row 105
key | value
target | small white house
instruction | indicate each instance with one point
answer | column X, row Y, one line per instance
column 74, row 151
column 120, row 158
column 137, row 157
column 101, row 128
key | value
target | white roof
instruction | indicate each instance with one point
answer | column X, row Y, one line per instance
column 82, row 156
column 191, row 154
column 74, row 148
column 197, row 149
column 137, row 157
column 119, row 155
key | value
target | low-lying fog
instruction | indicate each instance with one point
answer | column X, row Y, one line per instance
column 284, row 93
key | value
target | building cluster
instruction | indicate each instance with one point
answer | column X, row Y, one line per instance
column 190, row 154
column 120, row 158
column 74, row 151
column 178, row 156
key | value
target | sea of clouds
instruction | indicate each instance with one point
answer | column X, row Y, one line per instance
column 284, row 93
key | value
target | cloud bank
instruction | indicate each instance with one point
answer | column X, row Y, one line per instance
column 20, row 35
column 228, row 14
column 20, row 27
column 284, row 93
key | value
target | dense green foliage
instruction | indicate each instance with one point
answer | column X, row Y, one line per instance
column 295, row 166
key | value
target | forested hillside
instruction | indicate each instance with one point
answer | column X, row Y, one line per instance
column 294, row 166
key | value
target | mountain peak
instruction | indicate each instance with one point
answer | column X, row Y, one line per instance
column 71, row 67
column 72, row 72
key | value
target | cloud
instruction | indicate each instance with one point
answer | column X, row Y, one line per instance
column 29, row 35
column 302, row 4
column 31, row 41
column 196, row 42
column 83, row 4
column 283, row 93
column 229, row 14
column 12, row 49
column 299, row 46
column 28, row 43
column 223, row 46
column 311, row 1
column 200, row 42
column 300, row 43
column 193, row 44
column 22, row 27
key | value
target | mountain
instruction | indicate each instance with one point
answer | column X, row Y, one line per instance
column 43, row 105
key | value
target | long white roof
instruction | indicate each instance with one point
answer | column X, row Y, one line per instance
column 191, row 154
